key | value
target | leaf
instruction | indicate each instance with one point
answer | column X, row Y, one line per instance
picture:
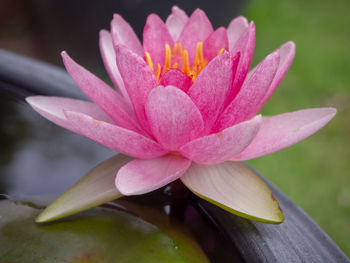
column 95, row 188
column 170, row 225
column 236, row 188
column 99, row 235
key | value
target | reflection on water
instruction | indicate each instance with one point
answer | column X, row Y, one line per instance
column 38, row 157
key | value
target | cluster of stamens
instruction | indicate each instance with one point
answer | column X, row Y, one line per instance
column 178, row 58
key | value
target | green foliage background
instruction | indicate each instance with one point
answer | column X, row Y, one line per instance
column 314, row 173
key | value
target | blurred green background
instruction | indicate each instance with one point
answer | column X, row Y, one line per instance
column 314, row 173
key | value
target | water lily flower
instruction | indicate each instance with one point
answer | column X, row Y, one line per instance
column 187, row 107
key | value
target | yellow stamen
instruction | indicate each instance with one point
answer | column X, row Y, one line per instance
column 177, row 49
column 179, row 58
column 149, row 60
column 198, row 59
column 199, row 62
column 158, row 71
column 185, row 63
column 221, row 51
column 167, row 59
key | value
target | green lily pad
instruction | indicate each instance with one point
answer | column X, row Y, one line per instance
column 98, row 235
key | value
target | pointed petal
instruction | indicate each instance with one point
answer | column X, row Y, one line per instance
column 155, row 36
column 220, row 147
column 197, row 28
column 140, row 80
column 287, row 52
column 123, row 34
column 214, row 43
column 175, row 77
column 235, row 188
column 109, row 60
column 281, row 131
column 114, row 137
column 173, row 117
column 176, row 22
column 52, row 108
column 245, row 46
column 143, row 176
column 244, row 105
column 93, row 189
column 210, row 88
column 235, row 30
column 100, row 93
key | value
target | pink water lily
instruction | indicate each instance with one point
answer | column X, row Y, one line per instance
column 186, row 101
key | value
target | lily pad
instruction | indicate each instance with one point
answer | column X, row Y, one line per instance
column 98, row 235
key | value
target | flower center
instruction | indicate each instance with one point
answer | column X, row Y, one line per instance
column 178, row 58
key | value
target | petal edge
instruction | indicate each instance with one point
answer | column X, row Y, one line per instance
column 284, row 130
column 143, row 176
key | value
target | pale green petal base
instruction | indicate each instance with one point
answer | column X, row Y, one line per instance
column 236, row 188
column 95, row 188
column 230, row 185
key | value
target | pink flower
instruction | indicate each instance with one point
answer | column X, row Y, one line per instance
column 185, row 96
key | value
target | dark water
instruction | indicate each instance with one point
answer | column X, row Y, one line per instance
column 38, row 157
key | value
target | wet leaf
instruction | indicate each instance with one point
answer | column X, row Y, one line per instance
column 98, row 235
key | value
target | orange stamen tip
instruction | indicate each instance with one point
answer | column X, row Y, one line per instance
column 199, row 53
column 177, row 49
column 185, row 63
column 199, row 62
column 221, row 51
column 149, row 60
column 180, row 58
column 158, row 71
column 167, row 59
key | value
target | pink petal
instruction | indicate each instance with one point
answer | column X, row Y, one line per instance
column 215, row 42
column 114, row 137
column 244, row 105
column 284, row 130
column 108, row 56
column 197, row 29
column 143, row 176
column 175, row 77
column 235, row 30
column 123, row 34
column 210, row 88
column 155, row 36
column 140, row 80
column 219, row 147
column 245, row 46
column 176, row 22
column 100, row 93
column 173, row 117
column 52, row 108
column 287, row 52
